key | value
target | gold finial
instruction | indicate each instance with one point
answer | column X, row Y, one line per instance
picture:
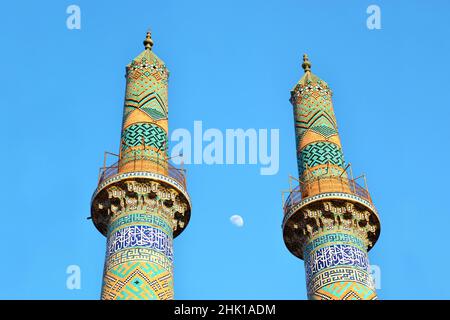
column 306, row 65
column 148, row 42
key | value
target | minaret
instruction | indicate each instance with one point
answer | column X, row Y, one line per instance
column 329, row 219
column 141, row 202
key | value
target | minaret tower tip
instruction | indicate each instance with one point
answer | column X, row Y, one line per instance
column 148, row 42
column 306, row 65
column 329, row 219
column 141, row 201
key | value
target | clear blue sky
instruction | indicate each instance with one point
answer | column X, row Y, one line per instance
column 232, row 65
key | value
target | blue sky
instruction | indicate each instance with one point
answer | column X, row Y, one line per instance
column 232, row 65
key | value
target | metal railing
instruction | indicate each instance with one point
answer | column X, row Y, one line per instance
column 323, row 185
column 140, row 163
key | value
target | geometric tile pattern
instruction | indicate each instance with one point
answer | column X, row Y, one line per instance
column 147, row 86
column 320, row 153
column 316, row 130
column 146, row 134
column 314, row 109
column 137, row 281
column 344, row 290
column 324, row 130
column 151, row 104
column 145, row 115
column 147, row 83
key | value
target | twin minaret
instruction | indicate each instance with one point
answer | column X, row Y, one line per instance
column 141, row 203
column 329, row 219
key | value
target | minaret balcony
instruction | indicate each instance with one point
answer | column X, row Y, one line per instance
column 155, row 165
column 325, row 185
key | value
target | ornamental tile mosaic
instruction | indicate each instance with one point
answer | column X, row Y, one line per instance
column 320, row 153
column 137, row 281
column 144, row 134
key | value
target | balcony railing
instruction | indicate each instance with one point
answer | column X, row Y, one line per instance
column 323, row 185
column 139, row 163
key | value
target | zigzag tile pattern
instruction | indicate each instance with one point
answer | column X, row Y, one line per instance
column 345, row 290
column 149, row 102
column 313, row 109
column 137, row 280
column 315, row 119
column 147, row 80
